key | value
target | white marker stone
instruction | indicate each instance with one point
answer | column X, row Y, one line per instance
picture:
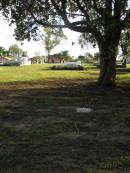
column 84, row 110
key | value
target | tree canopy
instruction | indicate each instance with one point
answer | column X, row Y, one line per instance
column 101, row 21
column 90, row 16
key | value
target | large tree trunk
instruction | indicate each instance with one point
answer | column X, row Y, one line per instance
column 108, row 47
column 107, row 65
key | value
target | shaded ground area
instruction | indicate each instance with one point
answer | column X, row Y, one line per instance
column 41, row 131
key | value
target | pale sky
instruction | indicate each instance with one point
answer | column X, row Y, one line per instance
column 34, row 47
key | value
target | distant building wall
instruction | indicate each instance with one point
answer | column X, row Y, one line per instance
column 37, row 60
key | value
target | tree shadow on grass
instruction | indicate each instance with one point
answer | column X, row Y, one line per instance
column 123, row 70
column 42, row 132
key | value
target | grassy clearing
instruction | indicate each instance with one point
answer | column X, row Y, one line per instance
column 40, row 72
column 41, row 131
column 43, row 72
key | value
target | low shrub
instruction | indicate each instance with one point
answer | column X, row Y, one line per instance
column 61, row 67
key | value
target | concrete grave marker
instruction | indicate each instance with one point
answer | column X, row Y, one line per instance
column 84, row 110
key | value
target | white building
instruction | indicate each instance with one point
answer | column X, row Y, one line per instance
column 24, row 60
column 128, row 60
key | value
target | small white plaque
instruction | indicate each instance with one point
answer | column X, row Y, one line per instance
column 84, row 110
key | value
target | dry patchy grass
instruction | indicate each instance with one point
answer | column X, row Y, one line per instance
column 42, row 132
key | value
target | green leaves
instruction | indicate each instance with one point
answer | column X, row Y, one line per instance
column 51, row 38
column 3, row 51
column 5, row 3
column 15, row 50
column 91, row 17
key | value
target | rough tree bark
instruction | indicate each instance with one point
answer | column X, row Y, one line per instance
column 107, row 68
column 108, row 53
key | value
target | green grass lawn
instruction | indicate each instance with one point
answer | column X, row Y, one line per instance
column 41, row 132
column 41, row 72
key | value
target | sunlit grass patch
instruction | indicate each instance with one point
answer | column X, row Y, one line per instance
column 41, row 72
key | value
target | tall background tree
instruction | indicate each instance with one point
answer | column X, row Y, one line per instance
column 125, row 43
column 15, row 51
column 101, row 22
column 87, row 58
column 51, row 38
